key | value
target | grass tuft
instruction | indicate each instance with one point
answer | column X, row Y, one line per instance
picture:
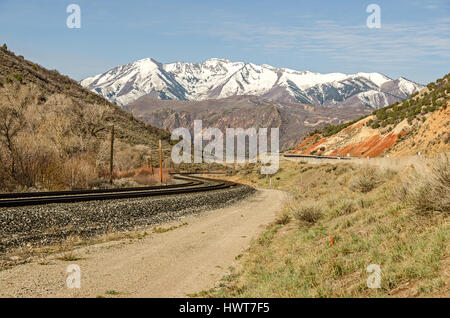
column 367, row 181
column 283, row 219
column 69, row 257
column 310, row 213
column 112, row 292
column 430, row 191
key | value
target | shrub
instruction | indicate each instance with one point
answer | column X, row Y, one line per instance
column 365, row 203
column 309, row 213
column 366, row 182
column 79, row 173
column 18, row 77
column 32, row 163
column 389, row 173
column 431, row 191
column 283, row 219
column 145, row 177
column 345, row 207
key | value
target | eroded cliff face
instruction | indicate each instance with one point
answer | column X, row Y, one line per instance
column 360, row 140
column 432, row 136
column 419, row 124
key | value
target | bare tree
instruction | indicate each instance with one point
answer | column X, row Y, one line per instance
column 90, row 119
column 11, row 123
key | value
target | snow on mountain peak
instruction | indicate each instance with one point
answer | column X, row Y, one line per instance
column 219, row 78
column 377, row 78
column 146, row 65
column 215, row 59
column 407, row 86
column 270, row 67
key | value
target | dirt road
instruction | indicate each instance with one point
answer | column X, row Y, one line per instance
column 182, row 261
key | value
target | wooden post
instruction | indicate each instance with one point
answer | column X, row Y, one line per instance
column 160, row 162
column 151, row 163
column 111, row 158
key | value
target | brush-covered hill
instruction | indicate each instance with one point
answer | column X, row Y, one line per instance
column 419, row 124
column 54, row 133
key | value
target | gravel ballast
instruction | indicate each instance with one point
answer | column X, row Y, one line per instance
column 53, row 223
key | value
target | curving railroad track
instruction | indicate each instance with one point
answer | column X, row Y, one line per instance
column 192, row 184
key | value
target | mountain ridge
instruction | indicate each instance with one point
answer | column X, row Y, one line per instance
column 218, row 78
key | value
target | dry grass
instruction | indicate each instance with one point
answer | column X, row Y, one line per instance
column 430, row 191
column 69, row 257
column 366, row 181
column 373, row 227
column 66, row 250
column 112, row 292
column 149, row 176
column 283, row 219
column 308, row 213
column 157, row 229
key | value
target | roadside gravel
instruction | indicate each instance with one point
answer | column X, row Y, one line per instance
column 53, row 223
column 180, row 262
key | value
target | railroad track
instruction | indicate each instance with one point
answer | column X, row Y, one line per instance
column 288, row 155
column 192, row 185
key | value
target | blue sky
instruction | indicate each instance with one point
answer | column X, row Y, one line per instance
column 320, row 36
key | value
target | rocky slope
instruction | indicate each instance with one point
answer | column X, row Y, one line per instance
column 419, row 124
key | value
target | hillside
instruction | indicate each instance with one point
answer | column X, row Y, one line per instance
column 342, row 217
column 293, row 119
column 55, row 134
column 418, row 124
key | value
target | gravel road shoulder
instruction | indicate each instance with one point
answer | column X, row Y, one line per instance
column 31, row 226
column 182, row 261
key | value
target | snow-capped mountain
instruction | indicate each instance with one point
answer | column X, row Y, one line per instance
column 220, row 78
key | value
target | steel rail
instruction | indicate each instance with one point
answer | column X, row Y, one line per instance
column 196, row 186
column 288, row 155
column 74, row 192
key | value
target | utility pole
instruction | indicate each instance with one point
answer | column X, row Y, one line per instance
column 111, row 158
column 160, row 162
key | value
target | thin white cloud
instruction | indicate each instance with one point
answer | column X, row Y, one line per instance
column 392, row 43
